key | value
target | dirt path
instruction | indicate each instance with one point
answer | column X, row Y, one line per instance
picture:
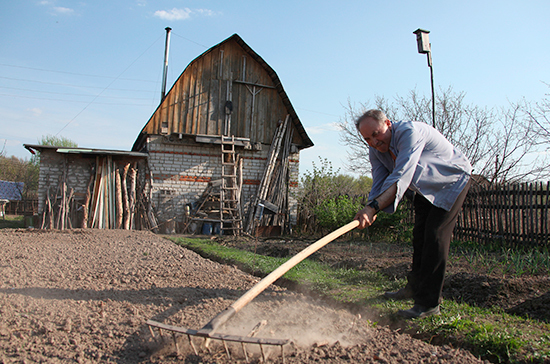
column 83, row 296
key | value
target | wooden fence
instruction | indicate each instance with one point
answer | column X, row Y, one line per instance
column 512, row 215
column 22, row 207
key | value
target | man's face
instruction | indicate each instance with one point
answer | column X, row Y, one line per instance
column 376, row 134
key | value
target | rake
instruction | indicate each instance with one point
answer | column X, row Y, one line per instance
column 209, row 330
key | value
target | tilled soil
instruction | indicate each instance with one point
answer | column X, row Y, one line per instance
column 83, row 296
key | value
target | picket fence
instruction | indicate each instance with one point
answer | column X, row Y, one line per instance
column 509, row 214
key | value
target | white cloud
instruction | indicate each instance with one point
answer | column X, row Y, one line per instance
column 56, row 10
column 35, row 111
column 320, row 129
column 62, row 10
column 182, row 14
column 174, row 14
column 205, row 12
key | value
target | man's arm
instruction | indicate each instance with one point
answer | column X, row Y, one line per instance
column 368, row 214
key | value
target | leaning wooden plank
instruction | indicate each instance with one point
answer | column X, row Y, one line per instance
column 119, row 211
column 125, row 197
column 133, row 175
column 264, row 183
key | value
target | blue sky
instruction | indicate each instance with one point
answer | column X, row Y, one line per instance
column 91, row 71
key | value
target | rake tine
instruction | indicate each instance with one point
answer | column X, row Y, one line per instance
column 176, row 343
column 263, row 354
column 245, row 353
column 206, row 345
column 226, row 349
column 283, row 353
column 192, row 345
column 152, row 332
column 174, row 330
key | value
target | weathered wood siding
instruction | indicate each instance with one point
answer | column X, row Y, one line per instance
column 196, row 102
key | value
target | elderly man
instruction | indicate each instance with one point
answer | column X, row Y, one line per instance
column 415, row 156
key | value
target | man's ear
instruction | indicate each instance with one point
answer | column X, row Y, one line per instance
column 388, row 123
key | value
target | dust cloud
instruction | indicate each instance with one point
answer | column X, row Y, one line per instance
column 303, row 320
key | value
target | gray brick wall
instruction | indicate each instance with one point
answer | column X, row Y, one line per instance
column 181, row 171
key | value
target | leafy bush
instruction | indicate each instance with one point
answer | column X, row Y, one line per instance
column 320, row 186
column 394, row 228
column 333, row 213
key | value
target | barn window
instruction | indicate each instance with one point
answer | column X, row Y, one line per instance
column 164, row 127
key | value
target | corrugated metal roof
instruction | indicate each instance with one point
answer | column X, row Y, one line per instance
column 70, row 150
column 11, row 190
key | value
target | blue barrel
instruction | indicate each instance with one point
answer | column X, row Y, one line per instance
column 217, row 229
column 207, row 228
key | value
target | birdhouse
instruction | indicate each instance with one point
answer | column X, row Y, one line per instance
column 423, row 40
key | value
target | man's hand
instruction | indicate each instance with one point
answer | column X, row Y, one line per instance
column 366, row 217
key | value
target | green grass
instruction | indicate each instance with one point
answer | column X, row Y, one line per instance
column 507, row 261
column 487, row 332
column 12, row 222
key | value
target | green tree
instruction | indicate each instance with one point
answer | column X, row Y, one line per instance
column 15, row 169
column 54, row 141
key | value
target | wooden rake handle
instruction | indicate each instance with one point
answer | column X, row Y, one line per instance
column 225, row 315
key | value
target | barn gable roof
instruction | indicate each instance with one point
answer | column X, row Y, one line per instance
column 277, row 85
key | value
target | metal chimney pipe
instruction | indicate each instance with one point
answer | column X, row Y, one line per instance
column 165, row 71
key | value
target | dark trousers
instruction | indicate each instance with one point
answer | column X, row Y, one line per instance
column 433, row 229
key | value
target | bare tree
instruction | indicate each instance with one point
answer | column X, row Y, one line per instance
column 519, row 148
column 538, row 115
column 499, row 144
column 468, row 127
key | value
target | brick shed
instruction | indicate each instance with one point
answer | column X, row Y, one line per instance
column 92, row 188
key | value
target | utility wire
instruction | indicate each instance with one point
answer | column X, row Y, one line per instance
column 189, row 40
column 71, row 94
column 74, row 101
column 78, row 74
column 73, row 85
column 113, row 81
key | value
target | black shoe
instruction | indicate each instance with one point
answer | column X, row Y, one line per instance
column 419, row 311
column 402, row 294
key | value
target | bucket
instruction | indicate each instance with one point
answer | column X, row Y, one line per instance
column 207, row 228
column 217, row 229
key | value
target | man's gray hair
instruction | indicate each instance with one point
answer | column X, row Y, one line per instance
column 375, row 114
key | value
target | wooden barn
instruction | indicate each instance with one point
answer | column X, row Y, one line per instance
column 223, row 146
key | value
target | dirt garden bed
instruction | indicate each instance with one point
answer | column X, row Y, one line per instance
column 83, row 296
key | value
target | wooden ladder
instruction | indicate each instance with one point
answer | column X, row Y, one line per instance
column 230, row 207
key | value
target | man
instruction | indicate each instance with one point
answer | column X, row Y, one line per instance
column 415, row 156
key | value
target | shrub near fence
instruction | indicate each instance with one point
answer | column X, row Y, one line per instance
column 512, row 214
